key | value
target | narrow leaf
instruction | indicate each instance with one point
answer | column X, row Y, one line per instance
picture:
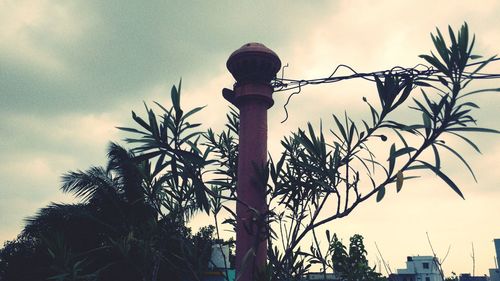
column 444, row 178
column 380, row 193
column 399, row 181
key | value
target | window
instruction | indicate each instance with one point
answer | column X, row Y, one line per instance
column 426, row 266
column 427, row 279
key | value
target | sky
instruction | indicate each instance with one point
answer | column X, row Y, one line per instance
column 71, row 71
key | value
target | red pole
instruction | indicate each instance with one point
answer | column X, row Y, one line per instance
column 253, row 66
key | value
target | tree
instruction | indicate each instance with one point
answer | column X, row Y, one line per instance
column 315, row 170
column 114, row 234
column 453, row 277
column 174, row 169
column 351, row 264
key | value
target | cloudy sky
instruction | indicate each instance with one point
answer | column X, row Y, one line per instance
column 70, row 71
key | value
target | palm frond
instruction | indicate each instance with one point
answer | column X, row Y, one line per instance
column 89, row 184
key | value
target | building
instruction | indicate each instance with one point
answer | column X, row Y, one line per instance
column 495, row 272
column 219, row 258
column 468, row 277
column 219, row 265
column 319, row 276
column 418, row 268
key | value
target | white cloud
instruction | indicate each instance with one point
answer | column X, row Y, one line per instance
column 81, row 130
column 32, row 30
column 367, row 35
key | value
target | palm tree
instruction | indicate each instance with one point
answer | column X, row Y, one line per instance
column 116, row 193
column 130, row 222
column 115, row 232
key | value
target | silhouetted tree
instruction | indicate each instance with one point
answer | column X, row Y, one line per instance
column 340, row 171
column 113, row 234
column 138, row 206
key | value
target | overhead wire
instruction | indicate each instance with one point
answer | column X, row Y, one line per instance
column 419, row 71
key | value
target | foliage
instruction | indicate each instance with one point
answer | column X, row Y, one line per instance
column 114, row 234
column 135, row 210
column 16, row 254
column 314, row 172
column 350, row 265
column 171, row 143
column 453, row 277
column 341, row 170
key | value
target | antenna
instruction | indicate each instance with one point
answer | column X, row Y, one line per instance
column 473, row 261
column 436, row 259
column 386, row 266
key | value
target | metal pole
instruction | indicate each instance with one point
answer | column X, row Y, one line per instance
column 253, row 66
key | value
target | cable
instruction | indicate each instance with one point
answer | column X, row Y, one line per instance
column 419, row 71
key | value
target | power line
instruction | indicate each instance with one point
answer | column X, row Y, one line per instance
column 418, row 72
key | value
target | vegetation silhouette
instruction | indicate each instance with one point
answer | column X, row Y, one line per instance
column 114, row 234
column 131, row 223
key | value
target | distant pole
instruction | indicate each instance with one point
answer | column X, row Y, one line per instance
column 473, row 261
column 253, row 66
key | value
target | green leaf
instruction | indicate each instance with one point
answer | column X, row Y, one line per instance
column 189, row 137
column 192, row 111
column 148, row 156
column 480, row 91
column 140, row 121
column 436, row 157
column 131, row 130
column 422, row 84
column 403, row 151
column 467, row 141
column 382, row 94
column 380, row 193
column 440, row 46
column 444, row 177
column 415, row 167
column 421, row 107
column 399, row 181
column 341, row 128
column 174, row 96
column 406, row 92
column 162, row 107
column 306, row 142
column 402, row 127
column 427, row 123
column 443, row 81
column 463, row 40
column 452, row 36
column 436, row 63
column 153, row 125
column 191, row 157
column 392, row 158
column 176, row 100
column 483, row 64
column 461, row 158
column 201, row 196
column 474, row 129
column 471, row 104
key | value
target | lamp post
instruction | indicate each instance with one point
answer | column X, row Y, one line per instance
column 253, row 66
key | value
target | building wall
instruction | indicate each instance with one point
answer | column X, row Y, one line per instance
column 220, row 256
column 497, row 251
column 494, row 274
column 468, row 277
column 424, row 268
